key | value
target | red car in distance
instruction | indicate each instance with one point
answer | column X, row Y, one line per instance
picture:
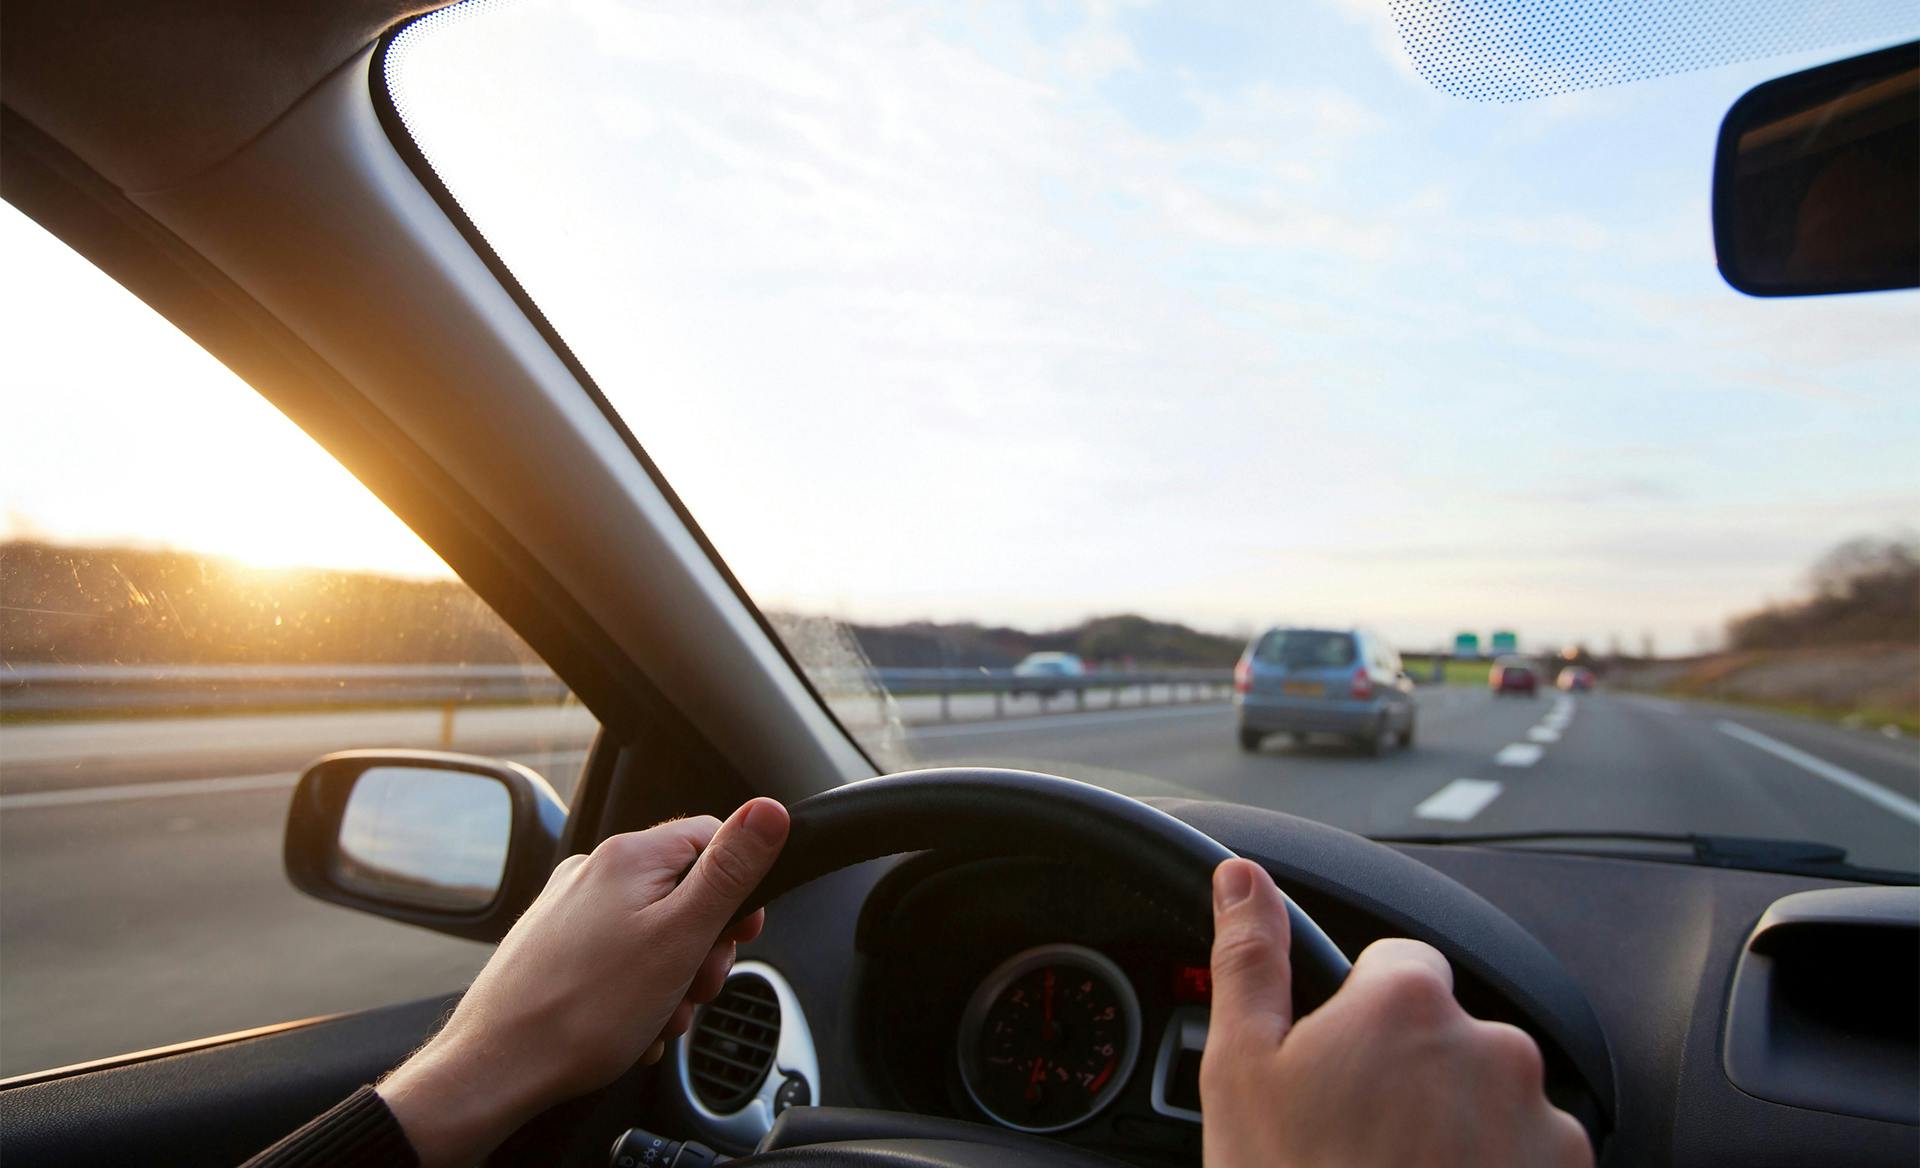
column 1513, row 675
column 1575, row 679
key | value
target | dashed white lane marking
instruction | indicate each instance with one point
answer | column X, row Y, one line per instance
column 1544, row 733
column 1518, row 754
column 1459, row 800
column 1838, row 776
column 131, row 791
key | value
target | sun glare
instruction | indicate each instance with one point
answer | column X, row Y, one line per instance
column 149, row 442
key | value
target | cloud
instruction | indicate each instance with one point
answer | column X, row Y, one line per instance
column 924, row 316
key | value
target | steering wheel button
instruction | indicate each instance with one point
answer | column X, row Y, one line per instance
column 793, row 1093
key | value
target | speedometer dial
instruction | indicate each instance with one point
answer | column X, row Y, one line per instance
column 1049, row 1038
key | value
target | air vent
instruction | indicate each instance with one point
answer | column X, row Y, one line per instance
column 732, row 1044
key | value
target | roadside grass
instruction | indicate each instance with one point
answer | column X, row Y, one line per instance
column 1453, row 672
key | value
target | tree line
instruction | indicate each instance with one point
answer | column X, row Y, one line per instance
column 1865, row 590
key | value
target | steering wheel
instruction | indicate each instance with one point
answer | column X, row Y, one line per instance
column 998, row 812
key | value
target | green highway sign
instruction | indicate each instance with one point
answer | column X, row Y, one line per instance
column 1466, row 645
column 1505, row 641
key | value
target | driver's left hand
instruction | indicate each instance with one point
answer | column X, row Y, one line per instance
column 604, row 969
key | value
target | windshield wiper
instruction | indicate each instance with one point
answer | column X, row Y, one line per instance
column 1751, row 853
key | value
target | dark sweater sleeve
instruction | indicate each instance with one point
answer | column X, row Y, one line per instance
column 359, row 1133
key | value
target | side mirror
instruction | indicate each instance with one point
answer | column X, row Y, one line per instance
column 1816, row 187
column 448, row 842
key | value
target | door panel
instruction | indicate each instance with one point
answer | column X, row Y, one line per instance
column 213, row 1106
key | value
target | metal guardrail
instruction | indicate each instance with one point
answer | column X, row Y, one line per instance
column 1174, row 684
column 56, row 688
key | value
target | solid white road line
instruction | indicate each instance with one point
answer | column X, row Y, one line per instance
column 1839, row 776
column 129, row 791
column 1544, row 733
column 1518, row 754
column 1459, row 800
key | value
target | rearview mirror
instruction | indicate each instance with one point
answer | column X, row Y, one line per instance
column 447, row 841
column 1816, row 183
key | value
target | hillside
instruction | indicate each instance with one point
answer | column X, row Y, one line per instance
column 1872, row 684
column 1864, row 591
column 1848, row 649
column 1107, row 639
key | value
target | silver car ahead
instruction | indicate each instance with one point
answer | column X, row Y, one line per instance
column 1323, row 681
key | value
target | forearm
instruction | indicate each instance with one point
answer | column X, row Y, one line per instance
column 452, row 1108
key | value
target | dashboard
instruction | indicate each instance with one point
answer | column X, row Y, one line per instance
column 925, row 985
column 1025, row 994
column 1037, row 997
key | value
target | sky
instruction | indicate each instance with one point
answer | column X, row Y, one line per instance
column 115, row 428
column 1212, row 311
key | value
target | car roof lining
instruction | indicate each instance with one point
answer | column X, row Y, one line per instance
column 152, row 93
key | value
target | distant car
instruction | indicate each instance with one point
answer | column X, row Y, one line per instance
column 1323, row 681
column 1513, row 675
column 1043, row 665
column 1575, row 679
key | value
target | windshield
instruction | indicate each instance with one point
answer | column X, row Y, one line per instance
column 1303, row 649
column 1184, row 339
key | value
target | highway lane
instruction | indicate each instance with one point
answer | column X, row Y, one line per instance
column 1631, row 764
column 160, row 914
column 47, row 756
column 1613, row 762
column 143, row 921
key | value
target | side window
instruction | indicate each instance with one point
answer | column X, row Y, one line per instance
column 197, row 602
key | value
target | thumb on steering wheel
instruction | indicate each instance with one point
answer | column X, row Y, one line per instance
column 729, row 868
column 1252, row 978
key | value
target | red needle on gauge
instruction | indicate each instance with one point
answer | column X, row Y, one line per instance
column 1106, row 1073
column 1034, row 1080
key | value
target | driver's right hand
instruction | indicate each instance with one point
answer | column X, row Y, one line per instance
column 1389, row 1072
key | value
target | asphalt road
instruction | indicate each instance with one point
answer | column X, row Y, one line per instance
column 142, row 900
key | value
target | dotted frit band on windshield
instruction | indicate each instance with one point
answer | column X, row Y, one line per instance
column 1516, row 50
